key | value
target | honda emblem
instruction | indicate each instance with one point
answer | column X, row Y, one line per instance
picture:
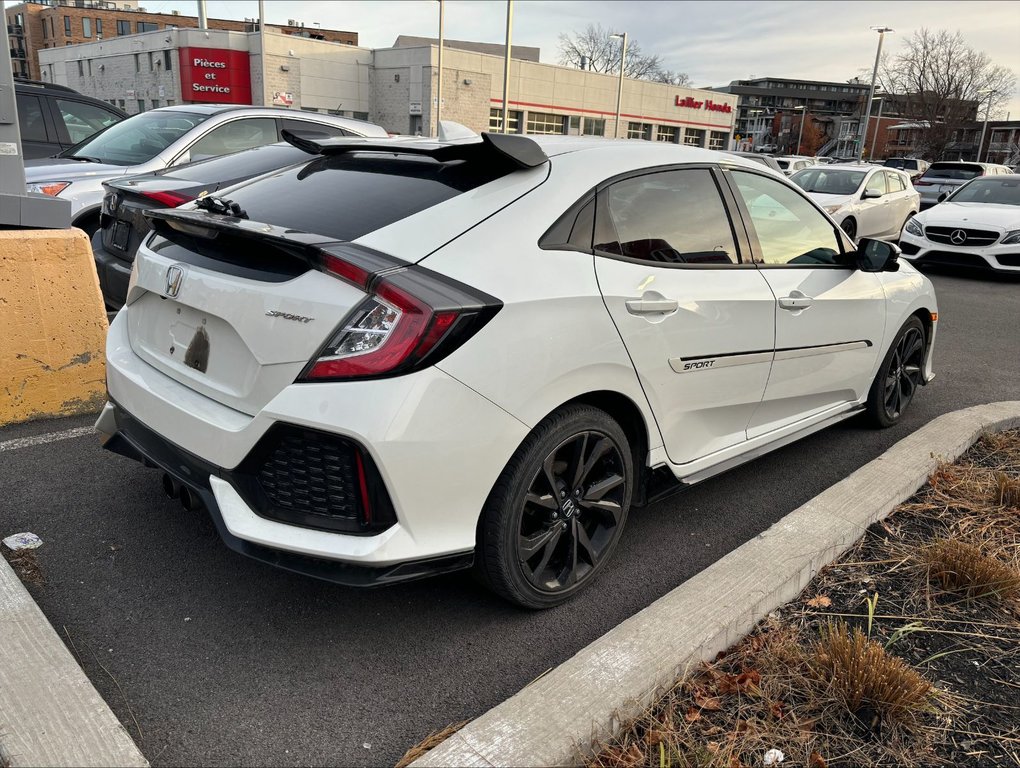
column 174, row 278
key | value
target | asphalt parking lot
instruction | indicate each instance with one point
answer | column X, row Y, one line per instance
column 210, row 658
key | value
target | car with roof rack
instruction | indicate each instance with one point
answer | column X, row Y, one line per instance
column 168, row 137
column 411, row 357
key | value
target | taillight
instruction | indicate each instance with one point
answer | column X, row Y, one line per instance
column 413, row 317
column 169, row 199
column 920, row 183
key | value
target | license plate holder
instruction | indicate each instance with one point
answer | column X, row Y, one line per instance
column 121, row 234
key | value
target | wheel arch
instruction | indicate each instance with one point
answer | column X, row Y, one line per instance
column 86, row 216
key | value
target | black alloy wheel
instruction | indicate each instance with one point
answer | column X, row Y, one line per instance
column 572, row 512
column 850, row 227
column 558, row 509
column 899, row 376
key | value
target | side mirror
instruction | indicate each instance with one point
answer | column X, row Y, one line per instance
column 870, row 194
column 877, row 256
column 943, row 196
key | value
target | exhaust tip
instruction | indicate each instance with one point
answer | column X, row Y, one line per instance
column 170, row 487
column 189, row 500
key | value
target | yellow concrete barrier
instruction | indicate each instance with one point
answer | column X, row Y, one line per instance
column 52, row 326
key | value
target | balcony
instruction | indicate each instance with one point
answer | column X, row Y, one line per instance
column 16, row 30
column 18, row 53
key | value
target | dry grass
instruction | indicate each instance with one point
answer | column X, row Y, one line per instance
column 961, row 567
column 862, row 676
column 431, row 741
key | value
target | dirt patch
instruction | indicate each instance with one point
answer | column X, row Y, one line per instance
column 25, row 565
column 904, row 652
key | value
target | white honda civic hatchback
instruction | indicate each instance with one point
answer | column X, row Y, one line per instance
column 404, row 358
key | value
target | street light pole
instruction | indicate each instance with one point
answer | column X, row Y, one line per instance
column 506, row 65
column 984, row 125
column 439, row 85
column 871, row 94
column 878, row 127
column 619, row 90
column 800, row 136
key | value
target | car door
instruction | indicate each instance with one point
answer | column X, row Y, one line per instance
column 902, row 200
column 698, row 324
column 36, row 138
column 829, row 318
column 873, row 216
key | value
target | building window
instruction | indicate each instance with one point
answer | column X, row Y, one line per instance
column 138, row 62
column 574, row 125
column 594, row 126
column 123, row 27
column 155, row 103
column 86, row 26
column 639, row 131
column 670, row 133
column 99, row 27
column 496, row 120
column 717, row 140
column 546, row 122
column 120, row 103
column 152, row 62
column 141, row 105
column 81, row 68
column 168, row 62
column 170, row 102
column 67, row 26
column 694, row 137
column 146, row 26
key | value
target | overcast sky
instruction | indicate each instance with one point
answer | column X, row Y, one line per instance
column 714, row 42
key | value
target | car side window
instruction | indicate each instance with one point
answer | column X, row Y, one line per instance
column 670, row 217
column 235, row 136
column 30, row 118
column 790, row 230
column 876, row 184
column 82, row 120
column 895, row 182
column 314, row 130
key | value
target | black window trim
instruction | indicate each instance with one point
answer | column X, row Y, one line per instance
column 755, row 245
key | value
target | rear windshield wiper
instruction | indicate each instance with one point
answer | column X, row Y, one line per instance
column 222, row 206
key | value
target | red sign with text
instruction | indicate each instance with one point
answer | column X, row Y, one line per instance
column 708, row 104
column 215, row 75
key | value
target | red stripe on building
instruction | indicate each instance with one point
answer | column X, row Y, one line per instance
column 613, row 114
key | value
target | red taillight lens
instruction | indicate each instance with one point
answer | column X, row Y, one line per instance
column 920, row 183
column 169, row 199
column 412, row 314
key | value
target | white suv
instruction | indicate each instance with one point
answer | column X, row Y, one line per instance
column 405, row 358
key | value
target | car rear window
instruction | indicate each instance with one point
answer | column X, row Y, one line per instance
column 349, row 195
column 902, row 164
column 244, row 164
column 953, row 171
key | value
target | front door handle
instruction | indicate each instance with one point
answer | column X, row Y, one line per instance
column 652, row 306
column 795, row 301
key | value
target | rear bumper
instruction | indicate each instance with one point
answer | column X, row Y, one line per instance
column 438, row 446
column 114, row 273
column 127, row 436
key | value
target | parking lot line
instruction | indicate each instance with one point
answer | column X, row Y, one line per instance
column 51, row 437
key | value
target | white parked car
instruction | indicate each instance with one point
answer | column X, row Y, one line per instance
column 793, row 163
column 977, row 226
column 405, row 358
column 166, row 137
column 866, row 200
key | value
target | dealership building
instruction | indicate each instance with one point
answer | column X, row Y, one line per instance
column 395, row 87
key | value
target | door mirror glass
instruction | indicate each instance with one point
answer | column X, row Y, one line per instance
column 877, row 256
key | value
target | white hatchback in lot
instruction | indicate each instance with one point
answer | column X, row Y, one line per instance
column 977, row 226
column 866, row 200
column 399, row 359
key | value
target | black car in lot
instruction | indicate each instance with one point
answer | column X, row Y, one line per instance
column 123, row 227
column 53, row 117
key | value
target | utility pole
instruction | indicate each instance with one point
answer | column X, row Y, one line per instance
column 619, row 91
column 202, row 20
column 984, row 126
column 800, row 136
column 18, row 207
column 871, row 94
column 878, row 127
column 506, row 65
column 439, row 86
column 262, row 52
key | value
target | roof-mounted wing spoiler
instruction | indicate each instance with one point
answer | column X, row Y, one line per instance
column 519, row 150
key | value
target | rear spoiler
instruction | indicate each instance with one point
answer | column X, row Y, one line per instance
column 519, row 150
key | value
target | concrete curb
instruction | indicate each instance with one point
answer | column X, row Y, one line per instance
column 618, row 675
column 50, row 714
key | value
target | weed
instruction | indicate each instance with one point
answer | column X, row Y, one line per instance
column 961, row 567
column 431, row 741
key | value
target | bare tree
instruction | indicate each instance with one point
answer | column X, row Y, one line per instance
column 671, row 77
column 944, row 84
column 600, row 52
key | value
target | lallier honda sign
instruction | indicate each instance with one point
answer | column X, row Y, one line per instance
column 215, row 75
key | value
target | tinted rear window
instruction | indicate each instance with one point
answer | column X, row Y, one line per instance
column 347, row 196
column 245, row 164
column 953, row 171
column 910, row 165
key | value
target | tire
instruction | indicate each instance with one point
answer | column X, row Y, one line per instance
column 569, row 538
column 898, row 377
column 850, row 227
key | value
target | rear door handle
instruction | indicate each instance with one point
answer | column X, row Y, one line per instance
column 795, row 302
column 651, row 306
